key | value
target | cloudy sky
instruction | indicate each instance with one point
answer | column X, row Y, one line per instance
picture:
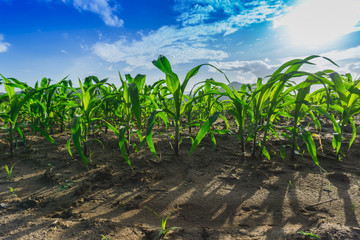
column 246, row 39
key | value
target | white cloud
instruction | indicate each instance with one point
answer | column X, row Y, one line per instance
column 258, row 68
column 100, row 7
column 353, row 68
column 65, row 36
column 246, row 78
column 179, row 45
column 189, row 42
column 313, row 23
column 347, row 54
column 4, row 46
column 348, row 61
column 198, row 14
column 64, row 52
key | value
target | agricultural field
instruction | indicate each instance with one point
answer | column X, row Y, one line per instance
column 277, row 159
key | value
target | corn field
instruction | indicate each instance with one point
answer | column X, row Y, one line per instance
column 136, row 110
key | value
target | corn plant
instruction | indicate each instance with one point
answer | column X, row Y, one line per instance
column 239, row 110
column 14, row 104
column 12, row 191
column 63, row 101
column 276, row 89
column 130, row 110
column 82, row 121
column 348, row 95
column 9, row 171
column 310, row 235
column 177, row 91
column 134, row 99
column 163, row 231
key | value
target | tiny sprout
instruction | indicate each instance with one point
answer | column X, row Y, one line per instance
column 9, row 171
column 309, row 234
column 163, row 231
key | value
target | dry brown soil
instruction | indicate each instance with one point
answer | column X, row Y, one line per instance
column 212, row 194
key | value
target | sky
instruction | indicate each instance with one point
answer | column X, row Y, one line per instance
column 246, row 39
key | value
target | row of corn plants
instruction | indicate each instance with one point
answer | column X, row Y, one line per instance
column 132, row 110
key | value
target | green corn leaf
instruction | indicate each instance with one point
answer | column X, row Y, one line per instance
column 44, row 83
column 300, row 97
column 43, row 133
column 112, row 128
column 13, row 99
column 204, row 129
column 309, row 234
column 189, row 75
column 353, row 135
column 339, row 87
column 150, row 125
column 172, row 80
column 16, row 109
column 76, row 137
column 310, row 144
column 129, row 79
column 135, row 102
column 140, row 82
column 265, row 152
column 68, row 147
column 21, row 133
column 337, row 135
column 161, row 114
column 122, row 142
column 282, row 151
column 213, row 140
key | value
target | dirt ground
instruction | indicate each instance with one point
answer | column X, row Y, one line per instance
column 211, row 194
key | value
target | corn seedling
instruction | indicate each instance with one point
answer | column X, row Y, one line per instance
column 12, row 191
column 163, row 231
column 309, row 234
column 9, row 171
column 66, row 185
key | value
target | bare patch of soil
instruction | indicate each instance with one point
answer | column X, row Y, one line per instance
column 211, row 194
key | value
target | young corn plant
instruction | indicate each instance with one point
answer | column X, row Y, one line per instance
column 82, row 121
column 279, row 89
column 163, row 231
column 239, row 110
column 15, row 102
column 177, row 92
column 9, row 171
column 348, row 94
column 130, row 109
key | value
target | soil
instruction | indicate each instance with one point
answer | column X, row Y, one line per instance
column 212, row 194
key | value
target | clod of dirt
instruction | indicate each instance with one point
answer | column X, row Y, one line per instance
column 83, row 189
column 205, row 234
column 335, row 231
column 102, row 175
column 49, row 176
column 64, row 215
column 26, row 204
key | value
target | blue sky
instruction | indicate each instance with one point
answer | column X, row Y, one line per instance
column 246, row 39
